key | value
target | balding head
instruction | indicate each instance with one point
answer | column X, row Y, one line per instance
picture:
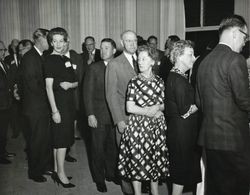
column 129, row 41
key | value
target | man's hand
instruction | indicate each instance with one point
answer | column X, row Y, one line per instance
column 56, row 117
column 92, row 121
column 121, row 126
column 15, row 93
column 65, row 85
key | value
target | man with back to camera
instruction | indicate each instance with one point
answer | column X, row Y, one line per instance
column 36, row 108
column 223, row 97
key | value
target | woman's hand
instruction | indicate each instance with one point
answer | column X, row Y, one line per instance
column 56, row 117
column 92, row 122
column 158, row 114
column 152, row 110
column 66, row 85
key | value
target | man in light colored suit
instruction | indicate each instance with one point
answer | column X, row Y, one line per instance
column 119, row 72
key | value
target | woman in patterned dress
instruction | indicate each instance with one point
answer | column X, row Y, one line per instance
column 143, row 150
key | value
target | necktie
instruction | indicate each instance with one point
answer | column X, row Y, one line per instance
column 135, row 65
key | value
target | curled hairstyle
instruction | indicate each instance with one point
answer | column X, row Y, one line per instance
column 178, row 49
column 152, row 53
column 58, row 31
column 40, row 32
column 232, row 21
column 111, row 41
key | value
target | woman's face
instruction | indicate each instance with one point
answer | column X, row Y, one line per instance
column 145, row 61
column 58, row 43
column 187, row 58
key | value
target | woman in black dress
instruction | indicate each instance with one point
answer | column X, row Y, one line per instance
column 181, row 110
column 143, row 150
column 60, row 83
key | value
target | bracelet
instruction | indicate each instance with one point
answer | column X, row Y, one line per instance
column 53, row 113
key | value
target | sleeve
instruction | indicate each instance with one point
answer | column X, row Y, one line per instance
column 112, row 95
column 162, row 91
column 131, row 91
column 182, row 97
column 49, row 68
column 238, row 78
column 88, row 90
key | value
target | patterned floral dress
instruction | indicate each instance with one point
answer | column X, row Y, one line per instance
column 143, row 148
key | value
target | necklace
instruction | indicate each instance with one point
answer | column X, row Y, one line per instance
column 141, row 76
column 178, row 71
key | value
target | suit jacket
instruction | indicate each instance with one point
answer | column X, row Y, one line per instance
column 223, row 96
column 13, row 67
column 97, row 56
column 94, row 93
column 118, row 74
column 33, row 84
column 5, row 89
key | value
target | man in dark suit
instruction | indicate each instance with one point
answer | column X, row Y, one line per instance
column 92, row 54
column 36, row 108
column 13, row 61
column 223, row 97
column 103, row 144
column 119, row 72
column 5, row 104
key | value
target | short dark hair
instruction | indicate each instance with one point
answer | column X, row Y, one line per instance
column 109, row 40
column 152, row 37
column 171, row 40
column 58, row 31
column 151, row 51
column 89, row 37
column 40, row 32
column 232, row 21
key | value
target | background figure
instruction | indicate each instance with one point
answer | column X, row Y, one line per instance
column 5, row 105
column 93, row 54
column 103, row 144
column 223, row 96
column 24, row 46
column 143, row 149
column 166, row 65
column 35, row 108
column 119, row 72
column 246, row 53
column 181, row 111
column 59, row 69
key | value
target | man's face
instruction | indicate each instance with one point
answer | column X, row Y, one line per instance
column 90, row 45
column 107, row 51
column 44, row 43
column 241, row 37
column 2, row 51
column 152, row 43
column 129, row 42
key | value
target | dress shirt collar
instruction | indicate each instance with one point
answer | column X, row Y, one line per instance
column 1, row 65
column 222, row 43
column 105, row 62
column 40, row 53
column 129, row 57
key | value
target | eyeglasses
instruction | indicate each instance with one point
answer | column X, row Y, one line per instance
column 1, row 50
column 246, row 35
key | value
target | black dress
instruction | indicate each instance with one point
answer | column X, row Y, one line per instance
column 184, row 153
column 143, row 149
column 60, row 69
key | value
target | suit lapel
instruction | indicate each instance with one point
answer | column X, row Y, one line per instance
column 128, row 65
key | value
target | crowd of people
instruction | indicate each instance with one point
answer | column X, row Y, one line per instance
column 150, row 116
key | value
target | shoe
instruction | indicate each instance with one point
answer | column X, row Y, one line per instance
column 69, row 158
column 9, row 154
column 38, row 179
column 4, row 161
column 114, row 180
column 65, row 185
column 48, row 172
column 54, row 175
column 77, row 138
column 101, row 187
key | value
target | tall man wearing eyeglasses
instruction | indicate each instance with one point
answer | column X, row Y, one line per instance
column 223, row 96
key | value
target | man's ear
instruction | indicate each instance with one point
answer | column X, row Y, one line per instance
column 122, row 43
column 114, row 50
